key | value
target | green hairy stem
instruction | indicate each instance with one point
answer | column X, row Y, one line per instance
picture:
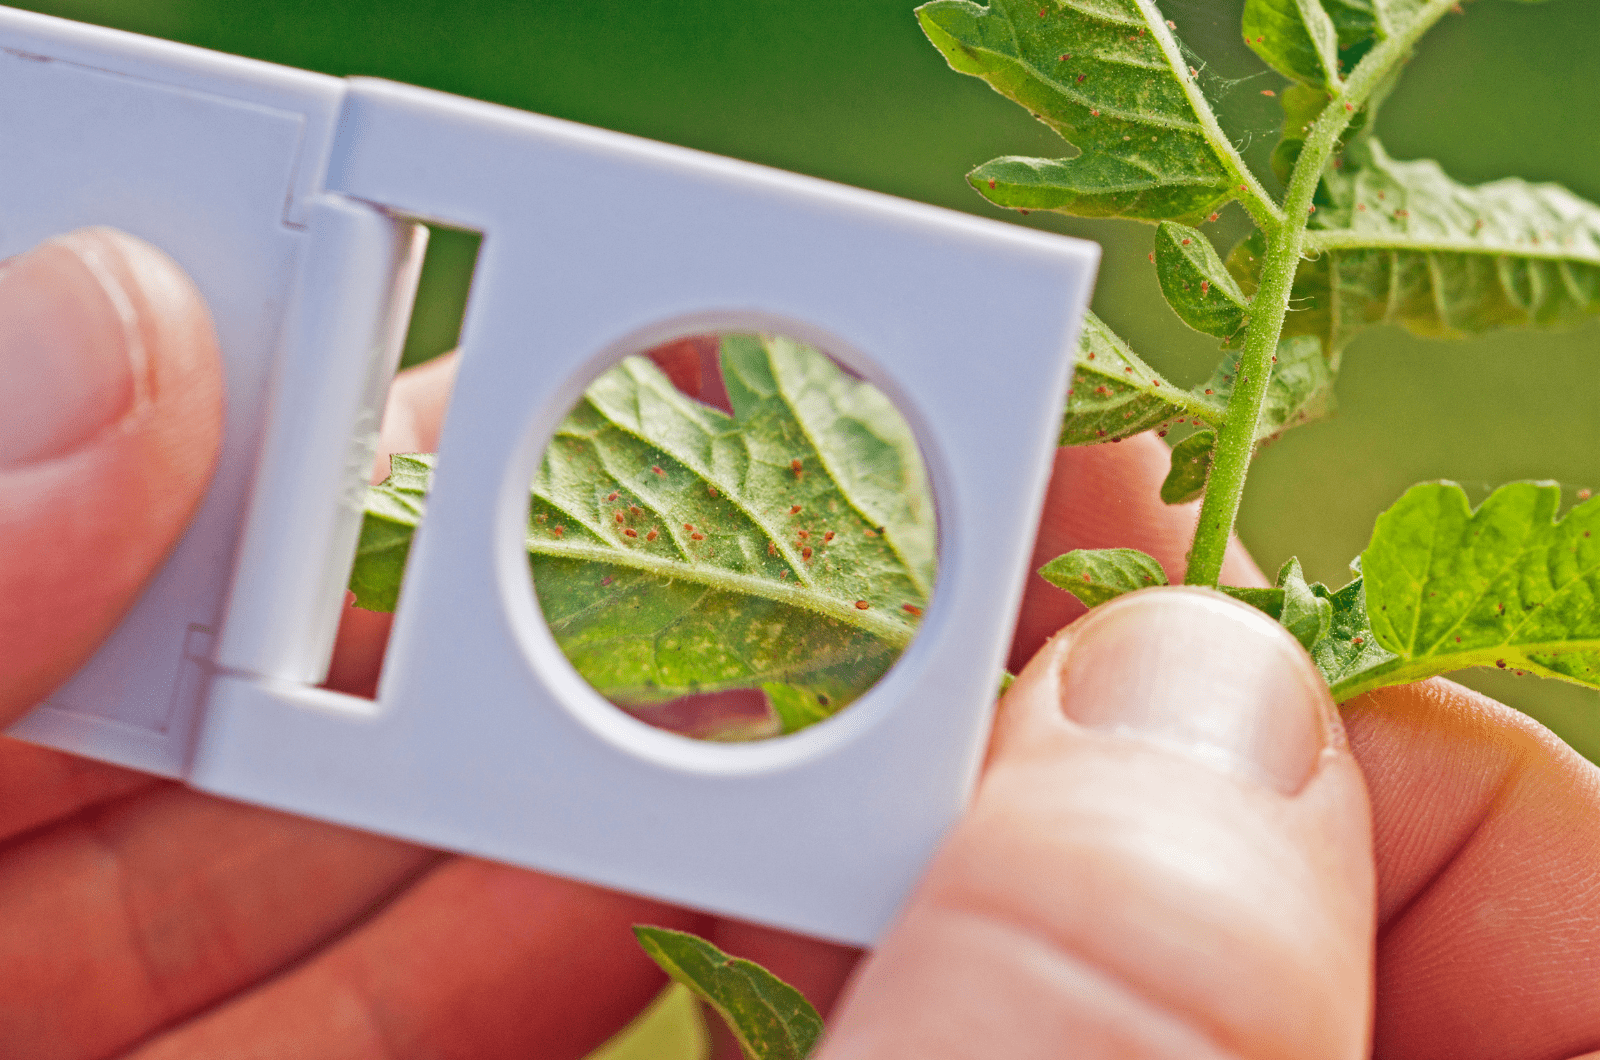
column 1286, row 242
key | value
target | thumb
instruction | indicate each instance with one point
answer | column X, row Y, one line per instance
column 110, row 418
column 1169, row 856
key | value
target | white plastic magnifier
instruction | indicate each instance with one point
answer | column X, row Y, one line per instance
column 294, row 201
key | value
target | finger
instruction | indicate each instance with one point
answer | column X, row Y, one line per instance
column 39, row 785
column 1167, row 858
column 110, row 419
column 1109, row 496
column 1487, row 834
column 139, row 913
column 476, row 961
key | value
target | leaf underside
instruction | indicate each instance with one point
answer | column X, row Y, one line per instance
column 1115, row 395
column 771, row 1019
column 676, row 550
column 1196, row 283
column 1407, row 245
column 1191, row 463
column 1110, row 79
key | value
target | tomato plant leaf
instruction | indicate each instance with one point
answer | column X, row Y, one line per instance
column 1400, row 242
column 1111, row 78
column 771, row 1019
column 1097, row 575
column 1305, row 613
column 1196, row 283
column 1297, row 38
column 1115, row 395
column 1300, row 390
column 1191, row 463
column 1509, row 584
column 678, row 550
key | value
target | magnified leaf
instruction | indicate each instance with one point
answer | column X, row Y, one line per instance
column 771, row 1019
column 1097, row 575
column 1115, row 395
column 1110, row 77
column 1196, row 283
column 677, row 550
column 1400, row 242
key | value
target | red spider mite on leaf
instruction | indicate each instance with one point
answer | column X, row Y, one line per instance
column 912, row 609
column 796, row 467
column 828, row 536
column 612, row 496
column 795, row 510
column 802, row 534
column 697, row 536
column 657, row 469
column 619, row 517
column 772, row 548
column 607, row 580
column 651, row 536
column 558, row 530
column 862, row 605
column 805, row 553
column 631, row 532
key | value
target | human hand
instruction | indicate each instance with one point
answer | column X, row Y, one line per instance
column 141, row 915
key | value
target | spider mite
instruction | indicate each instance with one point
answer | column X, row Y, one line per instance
column 607, row 580
column 991, row 185
column 711, row 490
column 1584, row 494
column 862, row 605
column 612, row 495
column 796, row 467
column 619, row 517
column 1186, row 242
column 688, row 526
column 651, row 536
column 558, row 530
column 803, row 534
column 631, row 532
column 828, row 536
column 805, row 553
column 772, row 548
column 912, row 609
column 795, row 510
column 657, row 469
column 1205, row 287
column 697, row 536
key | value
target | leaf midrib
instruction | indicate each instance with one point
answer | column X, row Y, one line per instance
column 1350, row 240
column 873, row 620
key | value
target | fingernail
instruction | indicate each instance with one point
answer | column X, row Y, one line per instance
column 70, row 353
column 1203, row 675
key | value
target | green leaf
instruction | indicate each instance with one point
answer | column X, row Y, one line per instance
column 1196, row 283
column 394, row 510
column 1115, row 395
column 1400, row 242
column 1508, row 585
column 1097, row 575
column 1350, row 657
column 1295, row 38
column 1303, row 613
column 1300, row 390
column 1191, row 463
column 796, row 707
column 742, row 570
column 1109, row 76
column 771, row 1019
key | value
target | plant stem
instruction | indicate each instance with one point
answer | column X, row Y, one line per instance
column 1230, row 461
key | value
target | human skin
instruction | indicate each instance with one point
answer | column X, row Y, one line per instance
column 1187, row 859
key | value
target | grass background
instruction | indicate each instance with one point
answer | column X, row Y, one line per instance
column 850, row 91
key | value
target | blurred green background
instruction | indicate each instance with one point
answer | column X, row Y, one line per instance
column 850, row 91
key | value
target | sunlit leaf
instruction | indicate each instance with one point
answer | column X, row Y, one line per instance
column 1110, row 77
column 770, row 1019
column 1295, row 38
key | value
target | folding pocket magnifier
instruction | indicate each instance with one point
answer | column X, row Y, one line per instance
column 296, row 202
